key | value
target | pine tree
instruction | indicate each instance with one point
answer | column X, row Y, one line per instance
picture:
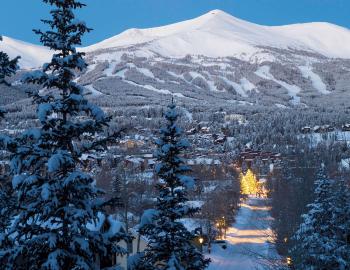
column 7, row 204
column 56, row 199
column 320, row 242
column 341, row 221
column 169, row 245
column 118, row 184
column 7, row 208
column 7, row 68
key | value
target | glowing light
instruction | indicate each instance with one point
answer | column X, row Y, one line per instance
column 249, row 183
column 201, row 240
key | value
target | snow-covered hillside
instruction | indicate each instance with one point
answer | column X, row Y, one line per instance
column 32, row 56
column 215, row 34
column 218, row 34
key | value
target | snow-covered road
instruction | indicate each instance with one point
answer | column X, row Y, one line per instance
column 248, row 240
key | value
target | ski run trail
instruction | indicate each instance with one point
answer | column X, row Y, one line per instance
column 249, row 240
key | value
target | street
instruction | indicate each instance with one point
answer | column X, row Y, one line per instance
column 248, row 240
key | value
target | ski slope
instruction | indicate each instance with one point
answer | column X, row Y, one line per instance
column 293, row 90
column 316, row 80
column 248, row 240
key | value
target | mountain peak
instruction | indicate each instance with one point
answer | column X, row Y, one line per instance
column 218, row 16
column 217, row 12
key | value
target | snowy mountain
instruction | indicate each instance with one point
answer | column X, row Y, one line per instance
column 221, row 61
column 215, row 60
column 32, row 56
column 218, row 34
column 215, row 34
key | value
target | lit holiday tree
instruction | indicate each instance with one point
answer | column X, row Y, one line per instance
column 249, row 184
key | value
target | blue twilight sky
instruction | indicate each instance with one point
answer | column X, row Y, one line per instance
column 110, row 17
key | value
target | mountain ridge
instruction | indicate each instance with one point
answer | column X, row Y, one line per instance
column 233, row 36
column 214, row 34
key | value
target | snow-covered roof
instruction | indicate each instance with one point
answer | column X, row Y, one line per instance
column 148, row 216
column 136, row 160
column 345, row 163
column 115, row 226
column 191, row 224
column 195, row 204
column 203, row 161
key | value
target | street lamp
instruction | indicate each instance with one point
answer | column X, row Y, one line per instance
column 201, row 240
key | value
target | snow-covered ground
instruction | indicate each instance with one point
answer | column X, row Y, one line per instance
column 248, row 240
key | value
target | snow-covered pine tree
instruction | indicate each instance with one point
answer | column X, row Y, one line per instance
column 58, row 201
column 169, row 245
column 7, row 68
column 319, row 242
column 7, row 208
column 118, row 186
column 341, row 220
